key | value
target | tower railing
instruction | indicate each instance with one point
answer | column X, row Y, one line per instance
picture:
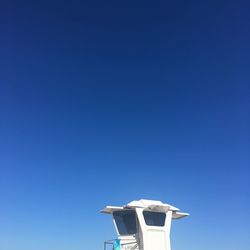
column 131, row 245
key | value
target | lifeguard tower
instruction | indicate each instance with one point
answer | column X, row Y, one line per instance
column 142, row 225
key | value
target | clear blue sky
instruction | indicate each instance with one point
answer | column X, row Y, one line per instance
column 103, row 102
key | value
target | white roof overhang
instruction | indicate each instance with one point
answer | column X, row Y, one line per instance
column 152, row 205
column 111, row 209
column 178, row 215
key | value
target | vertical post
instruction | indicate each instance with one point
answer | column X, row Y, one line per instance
column 168, row 228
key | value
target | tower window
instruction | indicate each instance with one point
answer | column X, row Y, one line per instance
column 125, row 221
column 154, row 218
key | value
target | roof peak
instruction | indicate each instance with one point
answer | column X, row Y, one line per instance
column 151, row 204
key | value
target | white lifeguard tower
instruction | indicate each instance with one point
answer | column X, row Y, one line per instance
column 142, row 225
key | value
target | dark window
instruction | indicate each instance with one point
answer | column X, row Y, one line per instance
column 154, row 218
column 125, row 221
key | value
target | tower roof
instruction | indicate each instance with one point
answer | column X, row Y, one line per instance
column 152, row 205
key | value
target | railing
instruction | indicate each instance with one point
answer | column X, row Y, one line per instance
column 122, row 245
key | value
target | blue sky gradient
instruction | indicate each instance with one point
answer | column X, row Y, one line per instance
column 104, row 102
